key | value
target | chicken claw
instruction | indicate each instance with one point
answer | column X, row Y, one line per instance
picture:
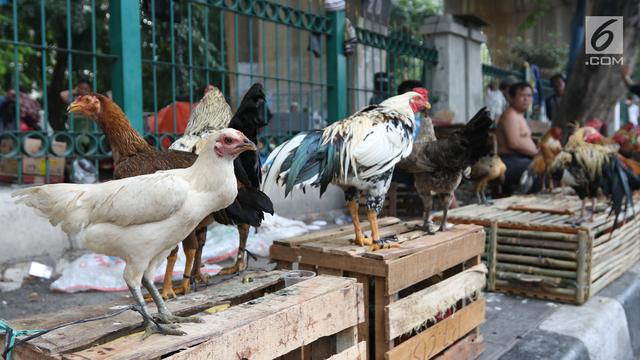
column 173, row 319
column 384, row 243
column 363, row 240
column 152, row 328
column 167, row 293
column 238, row 267
column 427, row 227
column 202, row 278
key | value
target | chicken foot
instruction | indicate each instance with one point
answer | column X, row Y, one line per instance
column 427, row 202
column 241, row 261
column 150, row 325
column 580, row 219
column 164, row 315
column 378, row 243
column 361, row 240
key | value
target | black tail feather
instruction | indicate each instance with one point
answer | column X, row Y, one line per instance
column 616, row 185
column 249, row 207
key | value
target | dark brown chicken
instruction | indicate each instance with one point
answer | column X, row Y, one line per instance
column 440, row 163
column 133, row 156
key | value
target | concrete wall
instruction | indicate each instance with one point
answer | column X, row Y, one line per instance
column 457, row 78
column 505, row 18
column 24, row 235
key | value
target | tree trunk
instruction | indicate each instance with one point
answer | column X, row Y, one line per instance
column 592, row 91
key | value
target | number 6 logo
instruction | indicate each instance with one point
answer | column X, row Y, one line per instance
column 603, row 35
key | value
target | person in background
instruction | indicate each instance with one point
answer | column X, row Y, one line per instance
column 83, row 87
column 632, row 109
column 380, row 88
column 558, row 83
column 626, row 77
column 515, row 146
column 29, row 112
column 494, row 100
column 505, row 84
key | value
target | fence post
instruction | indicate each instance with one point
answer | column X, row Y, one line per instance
column 126, row 77
column 336, row 68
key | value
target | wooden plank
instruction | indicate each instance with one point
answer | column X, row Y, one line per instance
column 403, row 232
column 357, row 264
column 582, row 293
column 363, row 326
column 382, row 300
column 408, row 270
column 513, row 225
column 423, row 242
column 469, row 347
column 492, row 258
column 564, row 210
column 333, row 232
column 265, row 328
column 433, row 340
column 329, row 271
column 356, row 352
column 78, row 336
column 412, row 311
column 345, row 245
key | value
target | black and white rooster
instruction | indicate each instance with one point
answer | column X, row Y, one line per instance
column 357, row 154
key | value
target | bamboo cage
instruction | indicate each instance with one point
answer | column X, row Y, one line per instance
column 532, row 250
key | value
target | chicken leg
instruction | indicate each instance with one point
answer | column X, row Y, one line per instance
column 167, row 284
column 240, row 264
column 361, row 240
column 378, row 243
column 197, row 274
column 445, row 199
column 580, row 219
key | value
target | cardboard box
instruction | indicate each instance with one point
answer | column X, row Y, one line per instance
column 33, row 168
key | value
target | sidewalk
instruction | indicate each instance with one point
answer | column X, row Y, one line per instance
column 607, row 327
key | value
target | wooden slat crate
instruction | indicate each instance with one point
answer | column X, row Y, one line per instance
column 317, row 318
column 531, row 250
column 405, row 289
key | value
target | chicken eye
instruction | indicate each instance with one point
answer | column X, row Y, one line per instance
column 227, row 140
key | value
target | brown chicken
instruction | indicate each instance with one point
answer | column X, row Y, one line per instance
column 133, row 156
column 486, row 170
column 550, row 147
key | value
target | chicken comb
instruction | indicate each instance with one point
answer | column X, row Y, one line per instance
column 422, row 91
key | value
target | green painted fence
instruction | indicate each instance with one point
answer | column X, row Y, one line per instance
column 156, row 57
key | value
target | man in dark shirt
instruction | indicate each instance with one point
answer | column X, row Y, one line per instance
column 626, row 76
column 552, row 102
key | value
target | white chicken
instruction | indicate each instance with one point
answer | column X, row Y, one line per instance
column 357, row 153
column 140, row 219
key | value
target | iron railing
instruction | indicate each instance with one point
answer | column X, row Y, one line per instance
column 156, row 55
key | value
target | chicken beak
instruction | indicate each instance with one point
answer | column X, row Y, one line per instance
column 427, row 106
column 247, row 145
column 73, row 107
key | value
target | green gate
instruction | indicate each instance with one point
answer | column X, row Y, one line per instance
column 157, row 56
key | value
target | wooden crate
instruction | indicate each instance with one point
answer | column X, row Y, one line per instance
column 404, row 287
column 532, row 251
column 316, row 318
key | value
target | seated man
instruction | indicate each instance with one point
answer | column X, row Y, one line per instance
column 515, row 146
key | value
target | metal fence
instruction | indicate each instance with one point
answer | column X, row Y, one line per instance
column 383, row 62
column 157, row 56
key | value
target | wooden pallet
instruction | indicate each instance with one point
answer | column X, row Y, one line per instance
column 532, row 251
column 404, row 288
column 316, row 318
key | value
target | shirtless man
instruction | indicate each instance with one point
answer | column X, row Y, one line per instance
column 515, row 146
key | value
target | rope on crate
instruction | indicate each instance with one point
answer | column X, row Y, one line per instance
column 12, row 334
